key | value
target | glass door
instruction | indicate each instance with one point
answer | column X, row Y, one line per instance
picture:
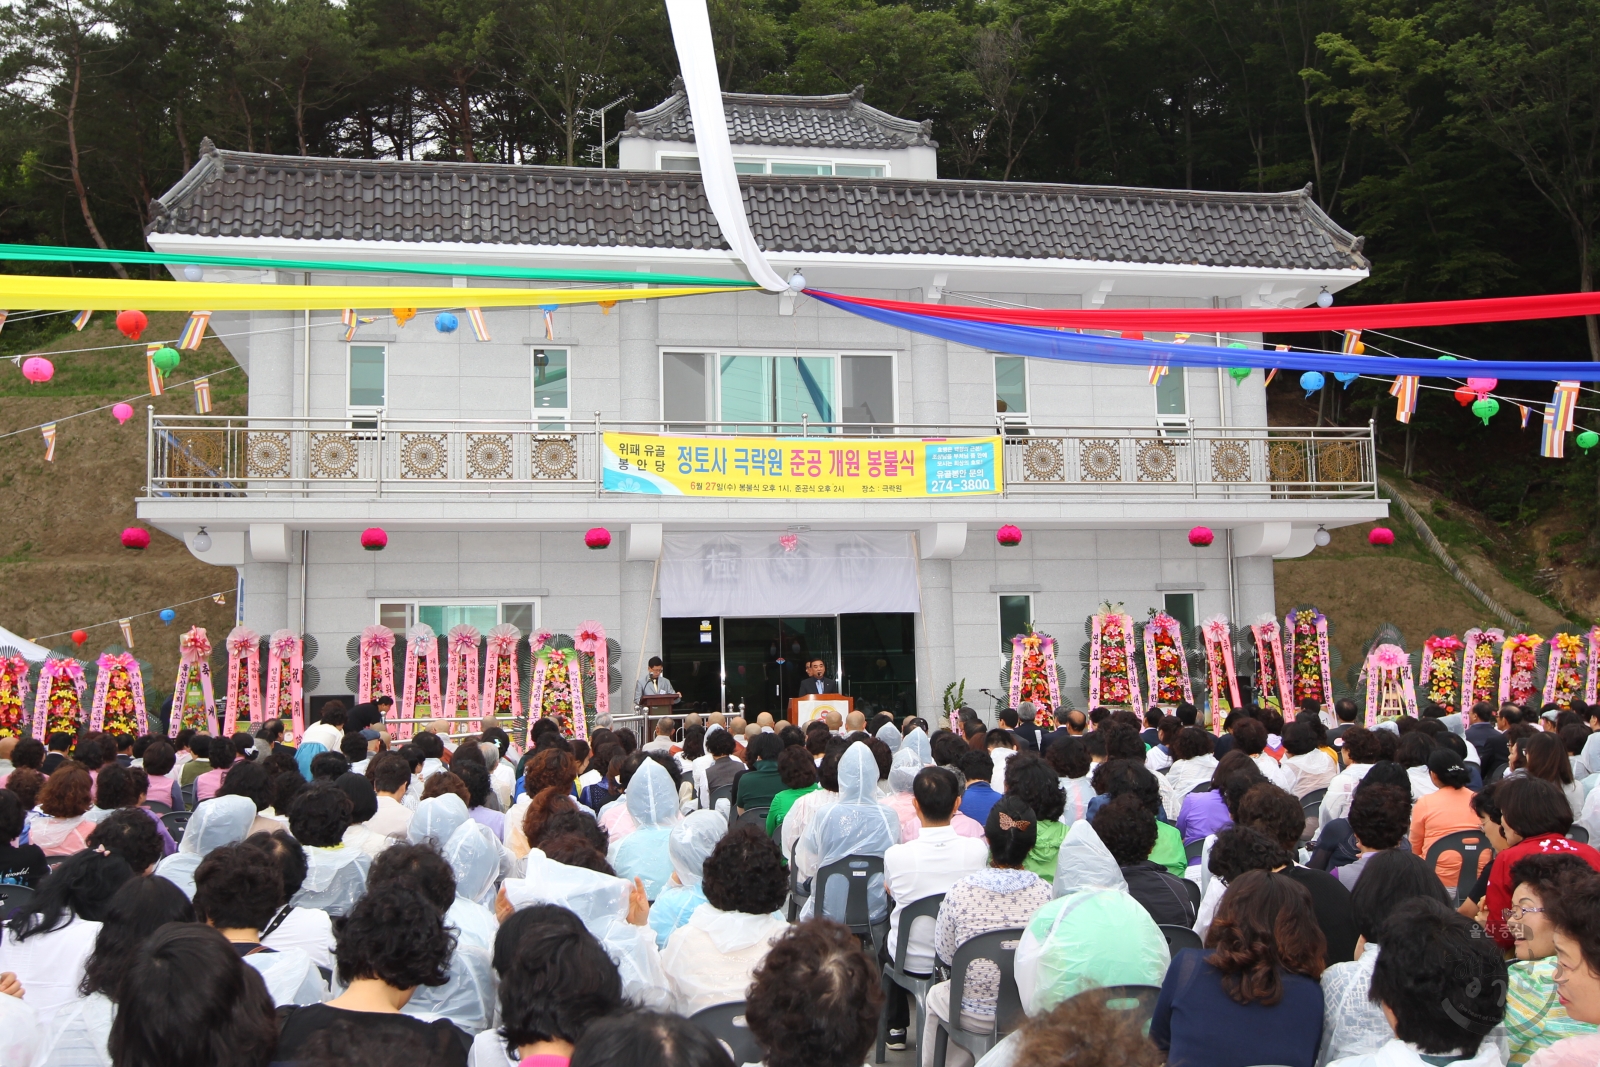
column 763, row 660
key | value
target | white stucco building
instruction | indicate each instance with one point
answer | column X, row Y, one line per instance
column 480, row 459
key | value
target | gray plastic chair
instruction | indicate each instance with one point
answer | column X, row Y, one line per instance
column 1180, row 937
column 726, row 1023
column 14, row 898
column 858, row 872
column 1000, row 948
column 1139, row 998
column 894, row 972
column 176, row 823
column 798, row 894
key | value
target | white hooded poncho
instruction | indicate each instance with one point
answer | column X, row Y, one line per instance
column 653, row 804
column 688, row 845
column 216, row 822
column 856, row 826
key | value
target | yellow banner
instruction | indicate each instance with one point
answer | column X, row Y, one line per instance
column 756, row 467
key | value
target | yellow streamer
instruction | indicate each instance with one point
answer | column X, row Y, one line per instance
column 113, row 294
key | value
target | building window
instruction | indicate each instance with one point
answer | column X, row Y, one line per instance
column 1016, row 615
column 860, row 170
column 367, row 379
column 1172, row 398
column 1011, row 388
column 791, row 167
column 801, row 169
column 688, row 164
column 755, row 393
column 1181, row 607
column 442, row 615
column 551, row 402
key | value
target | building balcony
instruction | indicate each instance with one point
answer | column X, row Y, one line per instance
column 221, row 458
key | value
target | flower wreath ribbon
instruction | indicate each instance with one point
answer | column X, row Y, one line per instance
column 1019, row 656
column 1566, row 651
column 461, row 679
column 1269, row 650
column 1437, row 651
column 1479, row 647
column 423, row 644
column 1389, row 664
column 111, row 663
column 51, row 671
column 193, row 648
column 1592, row 679
column 541, row 676
column 377, row 664
column 1292, row 653
column 285, row 680
column 1163, row 624
column 1096, row 650
column 244, row 679
column 1508, row 656
column 591, row 639
column 14, row 687
column 500, row 668
column 1219, row 669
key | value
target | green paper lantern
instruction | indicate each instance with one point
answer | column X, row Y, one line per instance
column 1447, row 357
column 1486, row 408
column 1587, row 440
column 166, row 360
column 1238, row 374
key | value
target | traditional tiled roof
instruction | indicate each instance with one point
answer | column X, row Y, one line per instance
column 239, row 194
column 841, row 120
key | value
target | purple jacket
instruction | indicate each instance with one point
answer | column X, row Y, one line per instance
column 1203, row 814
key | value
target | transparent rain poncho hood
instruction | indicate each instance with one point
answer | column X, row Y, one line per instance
column 216, row 822
column 917, row 741
column 335, row 879
column 475, row 859
column 1084, row 862
column 436, row 819
column 653, row 804
column 856, row 826
column 601, row 903
column 889, row 734
column 688, row 845
column 903, row 770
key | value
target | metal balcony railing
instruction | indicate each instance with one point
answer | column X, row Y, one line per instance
column 192, row 456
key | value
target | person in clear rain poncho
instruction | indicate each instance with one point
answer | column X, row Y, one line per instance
column 217, row 822
column 902, row 772
column 436, row 819
column 1093, row 934
column 688, row 845
column 653, row 803
column 917, row 741
column 336, row 873
column 601, row 902
column 856, row 826
column 889, row 734
column 467, row 998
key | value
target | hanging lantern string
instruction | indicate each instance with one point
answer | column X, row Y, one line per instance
column 114, row 403
column 140, row 615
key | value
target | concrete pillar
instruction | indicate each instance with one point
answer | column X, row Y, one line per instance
column 1254, row 592
column 267, row 596
column 638, row 361
column 639, row 612
column 274, row 358
column 930, row 371
column 936, row 639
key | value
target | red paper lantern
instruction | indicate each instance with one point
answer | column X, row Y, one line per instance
column 598, row 538
column 374, row 539
column 135, row 537
column 132, row 324
column 1201, row 536
column 1465, row 396
column 1008, row 536
column 1380, row 537
column 79, row 636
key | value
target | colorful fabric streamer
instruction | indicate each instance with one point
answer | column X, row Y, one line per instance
column 49, row 431
column 1552, row 441
column 81, row 319
column 1404, row 390
column 194, row 331
column 152, row 372
column 480, row 326
column 1565, row 403
column 202, row 396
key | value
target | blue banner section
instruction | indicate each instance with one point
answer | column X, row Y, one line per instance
column 1085, row 348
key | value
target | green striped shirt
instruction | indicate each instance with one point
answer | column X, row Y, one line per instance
column 1534, row 1015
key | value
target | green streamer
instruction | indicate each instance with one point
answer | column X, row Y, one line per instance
column 54, row 254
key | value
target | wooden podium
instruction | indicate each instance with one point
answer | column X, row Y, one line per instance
column 656, row 706
column 803, row 709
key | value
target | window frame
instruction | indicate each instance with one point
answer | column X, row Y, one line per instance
column 1013, row 418
column 766, row 162
column 716, row 355
column 1167, row 420
column 364, row 411
column 414, row 606
column 1000, row 618
column 1194, row 606
column 559, row 419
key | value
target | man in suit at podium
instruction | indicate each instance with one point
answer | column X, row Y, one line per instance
column 816, row 682
column 652, row 685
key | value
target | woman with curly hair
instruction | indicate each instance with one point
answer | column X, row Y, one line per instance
column 546, row 769
column 1252, row 994
column 1035, row 782
column 710, row 960
column 814, row 1001
column 393, row 941
column 65, row 800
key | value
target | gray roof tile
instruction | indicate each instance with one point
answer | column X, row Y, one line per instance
column 840, row 120
column 239, row 194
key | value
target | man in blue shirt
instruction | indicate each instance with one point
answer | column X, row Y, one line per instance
column 977, row 768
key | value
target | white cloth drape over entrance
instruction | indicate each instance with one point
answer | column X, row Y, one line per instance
column 734, row 574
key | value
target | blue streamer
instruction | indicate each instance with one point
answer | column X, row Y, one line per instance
column 1085, row 348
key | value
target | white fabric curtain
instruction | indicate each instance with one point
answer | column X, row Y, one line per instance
column 697, row 62
column 715, row 574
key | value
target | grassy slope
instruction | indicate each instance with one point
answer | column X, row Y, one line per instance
column 61, row 562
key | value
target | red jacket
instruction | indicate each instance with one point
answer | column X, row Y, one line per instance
column 1498, row 897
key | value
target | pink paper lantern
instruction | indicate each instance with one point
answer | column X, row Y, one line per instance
column 38, row 369
column 1009, row 536
column 374, row 539
column 122, row 413
column 1201, row 536
column 1482, row 386
column 136, row 538
column 1380, row 537
column 598, row 538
